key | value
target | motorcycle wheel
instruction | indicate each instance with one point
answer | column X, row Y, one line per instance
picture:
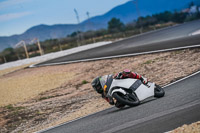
column 129, row 99
column 119, row 105
column 159, row 91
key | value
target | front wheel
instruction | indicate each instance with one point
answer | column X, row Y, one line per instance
column 159, row 91
column 119, row 105
column 129, row 99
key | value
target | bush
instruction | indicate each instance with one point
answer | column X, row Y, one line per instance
column 84, row 82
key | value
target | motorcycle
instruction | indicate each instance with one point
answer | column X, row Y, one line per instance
column 130, row 91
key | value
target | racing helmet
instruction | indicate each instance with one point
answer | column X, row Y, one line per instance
column 126, row 71
column 97, row 85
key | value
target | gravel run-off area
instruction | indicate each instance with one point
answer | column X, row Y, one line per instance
column 33, row 99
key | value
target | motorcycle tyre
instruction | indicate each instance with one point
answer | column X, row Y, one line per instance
column 126, row 102
column 119, row 105
column 159, row 91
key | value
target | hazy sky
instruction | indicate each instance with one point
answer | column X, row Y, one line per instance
column 16, row 16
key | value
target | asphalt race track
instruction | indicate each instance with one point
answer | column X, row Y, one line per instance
column 171, row 37
column 179, row 106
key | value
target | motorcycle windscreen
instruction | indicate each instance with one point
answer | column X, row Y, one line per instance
column 144, row 92
column 103, row 80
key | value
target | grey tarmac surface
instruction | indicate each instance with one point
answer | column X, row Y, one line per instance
column 179, row 106
column 171, row 37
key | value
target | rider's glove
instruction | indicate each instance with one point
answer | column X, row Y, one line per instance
column 144, row 80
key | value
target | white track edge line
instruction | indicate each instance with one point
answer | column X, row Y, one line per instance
column 181, row 79
column 118, row 56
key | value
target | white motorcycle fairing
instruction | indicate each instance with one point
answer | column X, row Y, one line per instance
column 142, row 91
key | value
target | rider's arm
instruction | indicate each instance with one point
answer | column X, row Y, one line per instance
column 138, row 76
column 118, row 75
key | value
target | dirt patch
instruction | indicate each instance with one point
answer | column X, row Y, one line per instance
column 24, row 84
column 13, row 69
column 192, row 128
column 38, row 98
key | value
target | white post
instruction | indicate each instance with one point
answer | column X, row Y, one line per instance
column 25, row 48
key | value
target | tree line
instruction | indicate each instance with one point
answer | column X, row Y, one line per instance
column 116, row 29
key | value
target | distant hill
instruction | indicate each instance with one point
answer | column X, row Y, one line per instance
column 126, row 13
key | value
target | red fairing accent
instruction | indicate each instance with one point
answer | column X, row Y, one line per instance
column 131, row 75
column 138, row 76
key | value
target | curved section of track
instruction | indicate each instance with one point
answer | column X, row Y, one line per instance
column 172, row 37
column 180, row 106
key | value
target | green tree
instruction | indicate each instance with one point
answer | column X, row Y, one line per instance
column 179, row 17
column 198, row 12
column 74, row 34
column 163, row 17
column 145, row 21
column 3, row 57
column 191, row 4
column 8, row 55
column 115, row 25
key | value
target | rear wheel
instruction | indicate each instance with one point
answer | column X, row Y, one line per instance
column 159, row 91
column 129, row 99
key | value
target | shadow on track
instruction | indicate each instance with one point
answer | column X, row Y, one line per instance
column 128, row 107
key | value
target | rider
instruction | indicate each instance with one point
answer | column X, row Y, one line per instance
column 96, row 84
column 121, row 75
